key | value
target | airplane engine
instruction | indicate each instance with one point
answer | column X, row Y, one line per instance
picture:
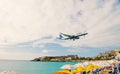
column 77, row 37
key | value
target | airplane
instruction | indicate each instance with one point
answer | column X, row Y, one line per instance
column 63, row 36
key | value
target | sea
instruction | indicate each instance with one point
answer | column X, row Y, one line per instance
column 32, row 67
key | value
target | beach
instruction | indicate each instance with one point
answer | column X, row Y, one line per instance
column 31, row 67
column 92, row 67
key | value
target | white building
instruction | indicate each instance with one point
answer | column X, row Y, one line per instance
column 118, row 57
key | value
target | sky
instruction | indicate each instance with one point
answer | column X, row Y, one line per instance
column 28, row 28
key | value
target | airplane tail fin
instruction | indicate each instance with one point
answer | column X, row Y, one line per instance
column 60, row 36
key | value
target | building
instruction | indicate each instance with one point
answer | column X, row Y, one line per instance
column 117, row 57
column 109, row 54
column 116, row 52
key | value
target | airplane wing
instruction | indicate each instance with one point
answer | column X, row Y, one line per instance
column 82, row 34
column 66, row 35
column 65, row 38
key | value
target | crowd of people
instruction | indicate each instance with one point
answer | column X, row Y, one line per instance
column 92, row 67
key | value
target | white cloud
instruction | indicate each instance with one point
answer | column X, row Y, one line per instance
column 78, row 50
column 17, row 55
column 45, row 51
column 23, row 21
column 42, row 46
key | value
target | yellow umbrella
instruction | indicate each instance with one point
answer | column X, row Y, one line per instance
column 63, row 72
column 75, row 71
column 78, row 70
column 92, row 67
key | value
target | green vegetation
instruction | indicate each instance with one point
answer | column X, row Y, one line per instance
column 102, row 56
column 85, row 58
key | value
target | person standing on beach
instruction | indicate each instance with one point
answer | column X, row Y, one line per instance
column 115, row 70
column 119, row 68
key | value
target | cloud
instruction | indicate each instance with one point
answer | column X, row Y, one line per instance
column 45, row 51
column 38, row 19
column 33, row 24
column 41, row 46
column 78, row 50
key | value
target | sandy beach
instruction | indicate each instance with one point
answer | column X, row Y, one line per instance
column 9, row 72
column 92, row 67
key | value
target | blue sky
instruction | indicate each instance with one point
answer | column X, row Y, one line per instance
column 28, row 29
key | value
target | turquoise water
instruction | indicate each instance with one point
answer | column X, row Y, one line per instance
column 31, row 67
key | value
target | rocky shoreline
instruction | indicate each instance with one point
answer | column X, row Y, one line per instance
column 108, row 55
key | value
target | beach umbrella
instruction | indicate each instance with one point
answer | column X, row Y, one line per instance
column 117, row 57
column 92, row 67
column 78, row 70
column 63, row 72
column 67, row 66
column 79, row 64
column 99, row 64
column 9, row 72
column 86, row 64
column 111, row 61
